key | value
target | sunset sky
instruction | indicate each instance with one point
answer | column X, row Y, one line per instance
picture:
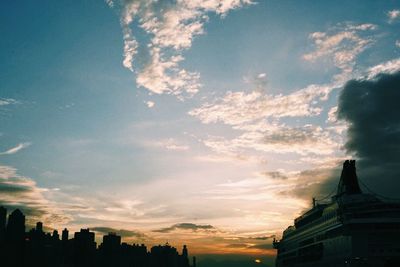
column 206, row 122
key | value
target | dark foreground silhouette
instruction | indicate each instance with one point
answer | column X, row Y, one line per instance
column 352, row 229
column 37, row 248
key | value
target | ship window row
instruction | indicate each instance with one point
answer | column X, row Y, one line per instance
column 287, row 255
column 326, row 218
column 306, row 254
column 327, row 235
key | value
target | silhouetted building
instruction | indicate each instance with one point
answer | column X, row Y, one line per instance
column 15, row 237
column 353, row 229
column 55, row 236
column 65, row 235
column 110, row 250
column 184, row 258
column 39, row 227
column 38, row 248
column 84, row 248
column 16, row 226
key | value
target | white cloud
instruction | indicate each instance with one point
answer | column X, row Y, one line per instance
column 7, row 101
column 155, row 76
column 237, row 108
column 110, row 3
column 168, row 144
column 15, row 149
column 172, row 144
column 393, row 15
column 390, row 66
column 171, row 28
column 257, row 116
column 308, row 139
column 150, row 104
column 397, row 43
column 341, row 45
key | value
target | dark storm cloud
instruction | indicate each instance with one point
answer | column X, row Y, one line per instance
column 372, row 109
column 185, row 226
column 120, row 232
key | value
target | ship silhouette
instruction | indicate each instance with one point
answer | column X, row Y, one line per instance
column 353, row 229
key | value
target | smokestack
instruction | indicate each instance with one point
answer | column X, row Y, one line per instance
column 348, row 184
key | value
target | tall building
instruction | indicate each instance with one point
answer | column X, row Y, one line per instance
column 56, row 236
column 16, row 226
column 15, row 238
column 39, row 227
column 184, row 257
column 84, row 248
column 65, row 234
column 111, row 241
column 111, row 250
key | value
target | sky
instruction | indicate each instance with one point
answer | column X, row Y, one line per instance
column 207, row 123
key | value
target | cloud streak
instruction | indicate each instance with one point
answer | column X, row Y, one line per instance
column 16, row 149
column 186, row 226
column 8, row 101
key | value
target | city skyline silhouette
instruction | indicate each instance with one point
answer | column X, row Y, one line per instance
column 19, row 248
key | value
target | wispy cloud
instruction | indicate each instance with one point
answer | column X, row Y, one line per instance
column 7, row 101
column 150, row 104
column 168, row 144
column 237, row 108
column 341, row 44
column 15, row 149
column 171, row 28
column 393, row 15
column 388, row 67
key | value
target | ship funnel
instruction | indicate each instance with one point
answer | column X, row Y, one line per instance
column 348, row 183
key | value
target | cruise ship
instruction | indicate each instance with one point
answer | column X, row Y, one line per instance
column 353, row 229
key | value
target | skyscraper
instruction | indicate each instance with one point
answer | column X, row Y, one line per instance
column 65, row 235
column 16, row 226
column 84, row 248
column 15, row 238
